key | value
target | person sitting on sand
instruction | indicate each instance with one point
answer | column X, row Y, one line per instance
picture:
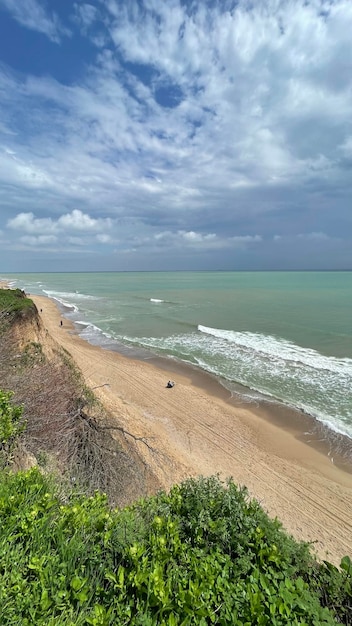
column 170, row 384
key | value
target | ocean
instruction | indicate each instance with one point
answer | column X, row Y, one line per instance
column 283, row 337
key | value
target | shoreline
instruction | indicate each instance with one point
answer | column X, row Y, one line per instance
column 194, row 429
column 336, row 446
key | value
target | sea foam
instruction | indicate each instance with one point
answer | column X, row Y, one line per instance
column 270, row 366
column 276, row 347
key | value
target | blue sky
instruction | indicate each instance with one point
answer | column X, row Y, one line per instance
column 147, row 135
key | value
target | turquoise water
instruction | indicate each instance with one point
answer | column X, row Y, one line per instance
column 286, row 336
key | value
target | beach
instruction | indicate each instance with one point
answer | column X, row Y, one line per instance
column 191, row 430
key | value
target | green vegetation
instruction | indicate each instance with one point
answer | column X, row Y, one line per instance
column 202, row 554
column 13, row 302
column 11, row 426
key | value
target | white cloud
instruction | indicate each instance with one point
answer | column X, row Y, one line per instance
column 86, row 14
column 39, row 240
column 76, row 241
column 103, row 238
column 314, row 236
column 197, row 240
column 246, row 239
column 203, row 127
column 5, row 130
column 33, row 15
column 21, row 171
column 305, row 237
column 28, row 223
column 41, row 231
column 346, row 147
column 193, row 237
column 77, row 220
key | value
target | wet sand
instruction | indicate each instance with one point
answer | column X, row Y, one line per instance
column 195, row 428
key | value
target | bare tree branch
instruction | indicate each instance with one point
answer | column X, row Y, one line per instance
column 67, row 427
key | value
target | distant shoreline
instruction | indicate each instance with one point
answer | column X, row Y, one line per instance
column 337, row 447
column 259, row 270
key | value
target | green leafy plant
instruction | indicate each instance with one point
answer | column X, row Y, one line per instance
column 11, row 425
column 202, row 554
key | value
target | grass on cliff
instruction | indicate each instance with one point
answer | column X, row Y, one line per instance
column 13, row 302
column 202, row 554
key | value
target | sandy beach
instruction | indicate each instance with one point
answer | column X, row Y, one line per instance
column 191, row 430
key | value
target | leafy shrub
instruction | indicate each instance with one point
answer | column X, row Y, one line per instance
column 334, row 587
column 202, row 554
column 10, row 425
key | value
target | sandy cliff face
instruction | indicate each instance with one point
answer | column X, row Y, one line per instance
column 27, row 327
column 67, row 426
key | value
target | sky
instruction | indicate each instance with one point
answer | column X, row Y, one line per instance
column 175, row 135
